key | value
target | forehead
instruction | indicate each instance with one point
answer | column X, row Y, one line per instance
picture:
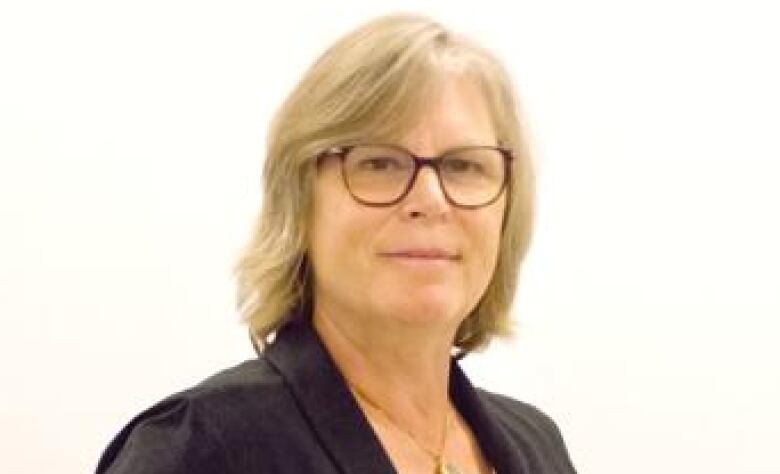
column 457, row 115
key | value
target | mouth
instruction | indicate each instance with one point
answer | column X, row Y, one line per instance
column 423, row 255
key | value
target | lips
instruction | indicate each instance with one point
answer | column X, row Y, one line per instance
column 422, row 254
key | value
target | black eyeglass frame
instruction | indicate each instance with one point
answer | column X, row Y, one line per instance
column 419, row 161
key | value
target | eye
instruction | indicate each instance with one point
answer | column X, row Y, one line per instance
column 460, row 165
column 379, row 163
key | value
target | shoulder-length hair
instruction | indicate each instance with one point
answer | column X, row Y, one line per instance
column 373, row 82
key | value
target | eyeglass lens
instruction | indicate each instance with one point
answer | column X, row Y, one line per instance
column 471, row 176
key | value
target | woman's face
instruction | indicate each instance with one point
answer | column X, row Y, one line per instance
column 363, row 257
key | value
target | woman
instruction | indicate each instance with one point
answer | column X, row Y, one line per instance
column 397, row 208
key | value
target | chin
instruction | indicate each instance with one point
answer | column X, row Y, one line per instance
column 421, row 307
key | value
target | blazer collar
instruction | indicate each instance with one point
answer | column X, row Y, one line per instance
column 336, row 419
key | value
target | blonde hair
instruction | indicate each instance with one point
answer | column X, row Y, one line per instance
column 373, row 83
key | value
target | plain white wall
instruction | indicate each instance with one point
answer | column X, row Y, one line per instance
column 131, row 140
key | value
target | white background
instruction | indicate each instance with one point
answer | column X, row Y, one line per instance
column 131, row 140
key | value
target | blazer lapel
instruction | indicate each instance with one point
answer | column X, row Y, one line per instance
column 496, row 443
column 336, row 419
column 325, row 400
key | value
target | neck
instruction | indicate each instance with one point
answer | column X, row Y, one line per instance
column 403, row 370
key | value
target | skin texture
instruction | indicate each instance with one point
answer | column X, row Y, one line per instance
column 389, row 322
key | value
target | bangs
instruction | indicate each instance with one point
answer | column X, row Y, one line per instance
column 382, row 99
column 376, row 83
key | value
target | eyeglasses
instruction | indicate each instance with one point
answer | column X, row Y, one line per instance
column 382, row 175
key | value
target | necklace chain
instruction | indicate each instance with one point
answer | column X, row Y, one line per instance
column 438, row 457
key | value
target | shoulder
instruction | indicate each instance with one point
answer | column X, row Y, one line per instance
column 196, row 430
column 239, row 386
column 515, row 414
column 528, row 426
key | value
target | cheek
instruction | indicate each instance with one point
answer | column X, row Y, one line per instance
column 485, row 237
column 340, row 236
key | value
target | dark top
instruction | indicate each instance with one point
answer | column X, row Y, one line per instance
column 290, row 411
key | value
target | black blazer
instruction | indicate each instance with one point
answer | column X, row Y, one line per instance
column 290, row 412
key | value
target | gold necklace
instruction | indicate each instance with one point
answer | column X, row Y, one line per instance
column 442, row 467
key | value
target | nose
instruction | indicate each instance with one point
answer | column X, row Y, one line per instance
column 426, row 197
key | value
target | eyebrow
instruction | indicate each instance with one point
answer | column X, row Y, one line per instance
column 460, row 144
column 468, row 143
